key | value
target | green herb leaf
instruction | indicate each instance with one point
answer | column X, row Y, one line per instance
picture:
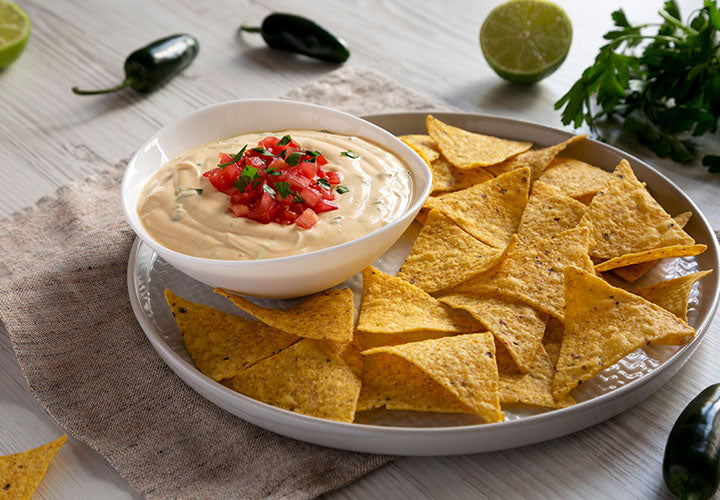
column 324, row 183
column 312, row 155
column 272, row 171
column 342, row 189
column 298, row 199
column 293, row 159
column 237, row 157
column 283, row 189
column 249, row 175
column 284, row 141
column 349, row 153
column 262, row 151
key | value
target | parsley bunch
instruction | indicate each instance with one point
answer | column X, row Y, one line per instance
column 662, row 80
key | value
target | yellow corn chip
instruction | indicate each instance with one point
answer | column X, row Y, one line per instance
column 21, row 473
column 517, row 326
column 424, row 144
column 444, row 255
column 624, row 219
column 222, row 345
column 575, row 178
column 531, row 388
column 371, row 340
column 489, row 211
column 448, row 178
column 634, row 272
column 537, row 160
column 326, row 315
column 421, row 217
column 313, row 377
column 392, row 305
column 397, row 384
column 466, row 149
column 672, row 295
column 553, row 339
column 548, row 212
column 604, row 324
column 534, row 273
column 650, row 256
column 464, row 365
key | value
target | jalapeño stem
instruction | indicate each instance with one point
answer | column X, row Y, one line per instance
column 250, row 29
column 124, row 84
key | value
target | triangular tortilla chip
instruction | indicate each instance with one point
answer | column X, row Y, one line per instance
column 534, row 273
column 537, row 160
column 603, row 324
column 519, row 327
column 313, row 377
column 548, row 212
column 371, row 340
column 444, row 255
column 21, row 473
column 623, row 218
column 222, row 345
column 464, row 365
column 650, row 256
column 448, row 178
column 575, row 178
column 422, row 143
column 554, row 332
column 466, row 149
column 392, row 305
column 634, row 272
column 489, row 211
column 327, row 315
column 531, row 388
column 672, row 295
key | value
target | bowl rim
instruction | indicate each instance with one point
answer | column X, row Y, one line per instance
column 409, row 212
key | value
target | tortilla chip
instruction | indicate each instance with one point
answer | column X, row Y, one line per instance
column 424, row 144
column 534, row 273
column 489, row 211
column 313, row 377
column 623, row 218
column 548, row 212
column 444, row 255
column 466, row 149
column 554, row 332
column 634, row 272
column 537, row 160
column 519, row 327
column 575, row 178
column 371, row 340
column 604, row 324
column 651, row 256
column 448, row 178
column 531, row 388
column 464, row 365
column 327, row 315
column 222, row 345
column 21, row 473
column 672, row 295
column 392, row 305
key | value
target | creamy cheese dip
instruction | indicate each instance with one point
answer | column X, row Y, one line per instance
column 180, row 217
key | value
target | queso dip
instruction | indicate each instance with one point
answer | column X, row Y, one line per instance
column 182, row 211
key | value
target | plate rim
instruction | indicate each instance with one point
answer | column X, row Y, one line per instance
column 299, row 422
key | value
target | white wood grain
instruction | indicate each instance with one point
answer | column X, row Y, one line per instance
column 48, row 137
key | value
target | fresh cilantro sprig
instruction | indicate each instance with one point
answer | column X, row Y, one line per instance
column 662, row 81
column 235, row 158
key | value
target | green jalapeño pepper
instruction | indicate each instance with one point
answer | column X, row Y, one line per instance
column 303, row 36
column 149, row 67
column 691, row 466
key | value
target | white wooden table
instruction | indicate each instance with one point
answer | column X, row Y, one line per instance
column 48, row 137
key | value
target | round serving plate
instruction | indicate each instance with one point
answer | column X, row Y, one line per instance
column 418, row 433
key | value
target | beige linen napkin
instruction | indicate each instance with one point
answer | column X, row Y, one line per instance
column 64, row 301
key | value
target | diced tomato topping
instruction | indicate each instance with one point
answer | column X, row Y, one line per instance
column 307, row 219
column 264, row 187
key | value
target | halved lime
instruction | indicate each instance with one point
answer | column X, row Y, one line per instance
column 14, row 32
column 525, row 40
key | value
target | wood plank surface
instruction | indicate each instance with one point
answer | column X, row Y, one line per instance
column 48, row 137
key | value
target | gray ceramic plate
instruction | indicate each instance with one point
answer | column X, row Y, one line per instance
column 411, row 433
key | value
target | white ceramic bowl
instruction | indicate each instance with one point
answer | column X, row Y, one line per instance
column 281, row 277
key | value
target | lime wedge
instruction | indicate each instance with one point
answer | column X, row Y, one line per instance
column 14, row 32
column 525, row 40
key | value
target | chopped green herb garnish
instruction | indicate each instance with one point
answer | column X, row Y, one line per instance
column 336, row 219
column 349, row 153
column 189, row 192
column 312, row 155
column 236, row 158
column 293, row 159
column 269, row 190
column 283, row 189
column 285, row 140
column 342, row 189
column 298, row 199
column 249, row 175
column 272, row 171
column 262, row 151
column 324, row 183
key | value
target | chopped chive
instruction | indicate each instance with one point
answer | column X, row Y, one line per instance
column 349, row 153
column 342, row 189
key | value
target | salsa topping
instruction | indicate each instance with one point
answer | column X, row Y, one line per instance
column 277, row 181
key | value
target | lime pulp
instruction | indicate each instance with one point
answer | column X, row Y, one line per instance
column 14, row 32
